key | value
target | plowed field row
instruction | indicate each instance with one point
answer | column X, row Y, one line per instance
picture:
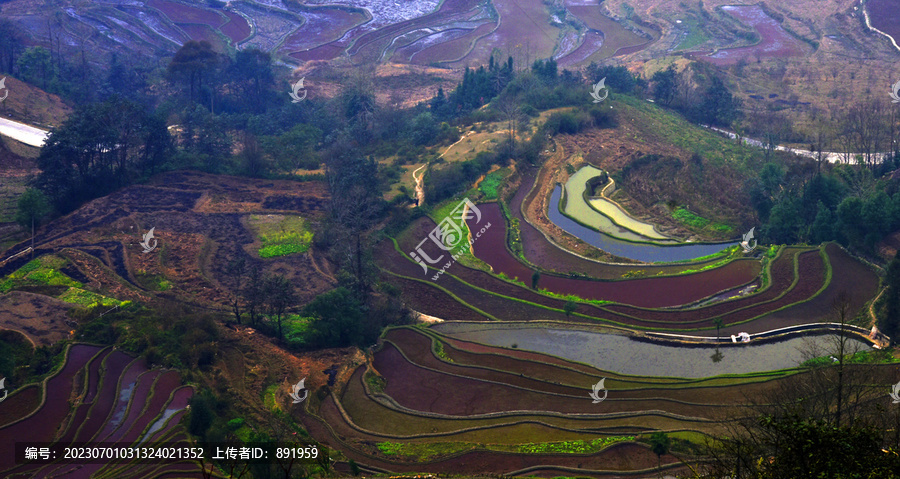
column 521, row 303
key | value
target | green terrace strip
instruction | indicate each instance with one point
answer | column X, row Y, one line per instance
column 41, row 273
column 491, row 182
column 422, row 451
column 281, row 235
column 876, row 356
column 698, row 222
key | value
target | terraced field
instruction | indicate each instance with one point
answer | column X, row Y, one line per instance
column 576, row 205
column 451, row 33
column 99, row 395
column 430, row 403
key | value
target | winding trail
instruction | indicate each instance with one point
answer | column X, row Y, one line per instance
column 420, row 192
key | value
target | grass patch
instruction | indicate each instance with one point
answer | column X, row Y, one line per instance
column 424, row 451
column 695, row 34
column 89, row 299
column 281, row 235
column 491, row 182
column 269, row 398
column 155, row 282
column 40, row 271
column 42, row 276
column 571, row 447
column 686, row 217
column 375, row 382
column 693, row 220
column 876, row 356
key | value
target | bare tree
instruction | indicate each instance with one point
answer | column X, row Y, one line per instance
column 865, row 122
column 236, row 271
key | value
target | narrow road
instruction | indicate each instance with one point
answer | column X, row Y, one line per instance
column 25, row 133
column 420, row 192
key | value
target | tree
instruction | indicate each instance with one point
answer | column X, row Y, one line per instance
column 659, row 444
column 99, row 148
column 236, row 270
column 279, row 296
column 718, row 322
column 36, row 67
column 666, row 86
column 356, row 204
column 253, row 293
column 719, row 107
column 252, row 70
column 535, row 277
column 12, row 43
column 191, row 62
column 570, row 307
column 33, row 207
column 338, row 319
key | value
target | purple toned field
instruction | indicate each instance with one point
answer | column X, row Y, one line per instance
column 524, row 25
column 645, row 292
column 180, row 13
column 87, row 401
column 237, row 28
column 593, row 41
column 885, row 16
column 452, row 49
column 322, row 26
column 774, row 42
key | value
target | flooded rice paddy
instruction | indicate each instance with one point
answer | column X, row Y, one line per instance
column 624, row 355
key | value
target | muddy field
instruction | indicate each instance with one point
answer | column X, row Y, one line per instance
column 200, row 226
column 89, row 400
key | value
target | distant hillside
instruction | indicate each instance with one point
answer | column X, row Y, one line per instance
column 29, row 104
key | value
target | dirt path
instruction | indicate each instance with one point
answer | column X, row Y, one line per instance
column 420, row 192
column 872, row 309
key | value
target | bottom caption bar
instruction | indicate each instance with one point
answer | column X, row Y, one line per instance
column 105, row 453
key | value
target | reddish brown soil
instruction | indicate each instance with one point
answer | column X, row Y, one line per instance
column 593, row 40
column 42, row 426
column 20, row 404
column 324, row 25
column 850, row 276
column 499, row 367
column 200, row 223
column 645, row 292
column 40, row 318
column 332, row 429
column 201, row 32
column 237, row 28
column 812, row 278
